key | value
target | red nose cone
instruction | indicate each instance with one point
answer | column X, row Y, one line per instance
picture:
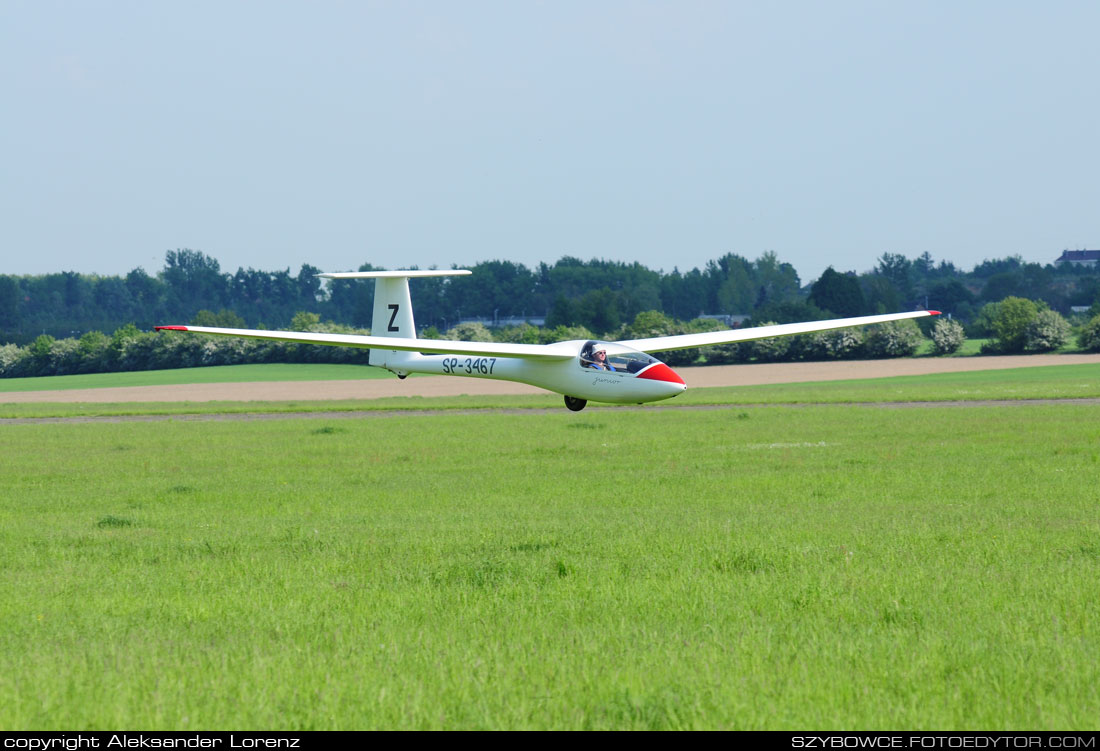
column 661, row 372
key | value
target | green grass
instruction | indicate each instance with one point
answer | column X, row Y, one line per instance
column 969, row 348
column 217, row 374
column 1045, row 382
column 821, row 567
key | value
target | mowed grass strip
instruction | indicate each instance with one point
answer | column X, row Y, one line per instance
column 179, row 376
column 820, row 567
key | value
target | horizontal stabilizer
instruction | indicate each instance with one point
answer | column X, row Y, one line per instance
column 407, row 274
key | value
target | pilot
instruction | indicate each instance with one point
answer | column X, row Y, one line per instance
column 599, row 359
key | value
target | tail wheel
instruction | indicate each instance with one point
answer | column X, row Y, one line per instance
column 575, row 404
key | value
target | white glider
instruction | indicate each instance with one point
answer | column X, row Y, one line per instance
column 581, row 370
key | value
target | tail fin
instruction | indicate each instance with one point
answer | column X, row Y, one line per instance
column 393, row 314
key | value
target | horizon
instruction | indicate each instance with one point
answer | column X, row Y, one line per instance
column 294, row 268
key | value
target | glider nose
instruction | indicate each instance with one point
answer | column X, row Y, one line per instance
column 666, row 375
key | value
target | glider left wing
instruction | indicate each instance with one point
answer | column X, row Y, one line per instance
column 548, row 352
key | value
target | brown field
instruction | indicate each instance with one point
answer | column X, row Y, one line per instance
column 722, row 375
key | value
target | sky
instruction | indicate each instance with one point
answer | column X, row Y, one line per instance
column 271, row 134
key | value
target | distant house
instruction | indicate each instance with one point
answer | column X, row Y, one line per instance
column 1079, row 257
column 732, row 321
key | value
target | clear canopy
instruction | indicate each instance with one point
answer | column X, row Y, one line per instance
column 616, row 357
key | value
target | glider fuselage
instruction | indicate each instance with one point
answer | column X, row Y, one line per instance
column 652, row 383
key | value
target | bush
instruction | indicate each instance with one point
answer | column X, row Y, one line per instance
column 1088, row 339
column 1047, row 332
column 772, row 349
column 726, row 354
column 838, row 344
column 304, row 321
column 525, row 333
column 947, row 336
column 469, row 332
column 1010, row 323
column 691, row 355
column 12, row 359
column 564, row 334
column 981, row 325
column 893, row 339
column 64, row 357
column 95, row 352
column 648, row 324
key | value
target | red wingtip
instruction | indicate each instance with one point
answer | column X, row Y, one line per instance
column 933, row 313
column 170, row 328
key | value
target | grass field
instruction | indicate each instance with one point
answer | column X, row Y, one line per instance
column 1053, row 382
column 781, row 567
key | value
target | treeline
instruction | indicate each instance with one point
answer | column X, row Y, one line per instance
column 1011, row 325
column 599, row 295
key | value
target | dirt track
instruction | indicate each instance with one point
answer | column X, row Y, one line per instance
column 726, row 375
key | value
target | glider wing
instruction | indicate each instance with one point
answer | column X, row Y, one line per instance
column 683, row 341
column 560, row 351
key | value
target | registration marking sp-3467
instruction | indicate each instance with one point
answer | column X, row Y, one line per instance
column 482, row 365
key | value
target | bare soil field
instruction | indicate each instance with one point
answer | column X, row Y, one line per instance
column 720, row 375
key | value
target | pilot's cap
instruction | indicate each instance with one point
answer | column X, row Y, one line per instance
column 599, row 348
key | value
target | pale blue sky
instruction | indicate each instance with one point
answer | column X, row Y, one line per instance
column 268, row 134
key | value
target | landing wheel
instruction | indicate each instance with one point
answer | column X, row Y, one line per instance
column 402, row 377
column 575, row 404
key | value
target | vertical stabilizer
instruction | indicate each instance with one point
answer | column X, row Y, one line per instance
column 393, row 316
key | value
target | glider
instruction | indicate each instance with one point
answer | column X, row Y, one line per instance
column 621, row 372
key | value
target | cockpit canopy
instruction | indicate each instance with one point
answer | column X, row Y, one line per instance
column 617, row 358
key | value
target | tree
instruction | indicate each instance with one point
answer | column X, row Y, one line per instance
column 898, row 270
column 776, row 282
column 9, row 302
column 838, row 293
column 793, row 311
column 599, row 310
column 880, row 295
column 309, row 286
column 736, row 284
column 948, row 295
column 194, row 281
column 1006, row 284
column 1089, row 338
column 224, row 318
